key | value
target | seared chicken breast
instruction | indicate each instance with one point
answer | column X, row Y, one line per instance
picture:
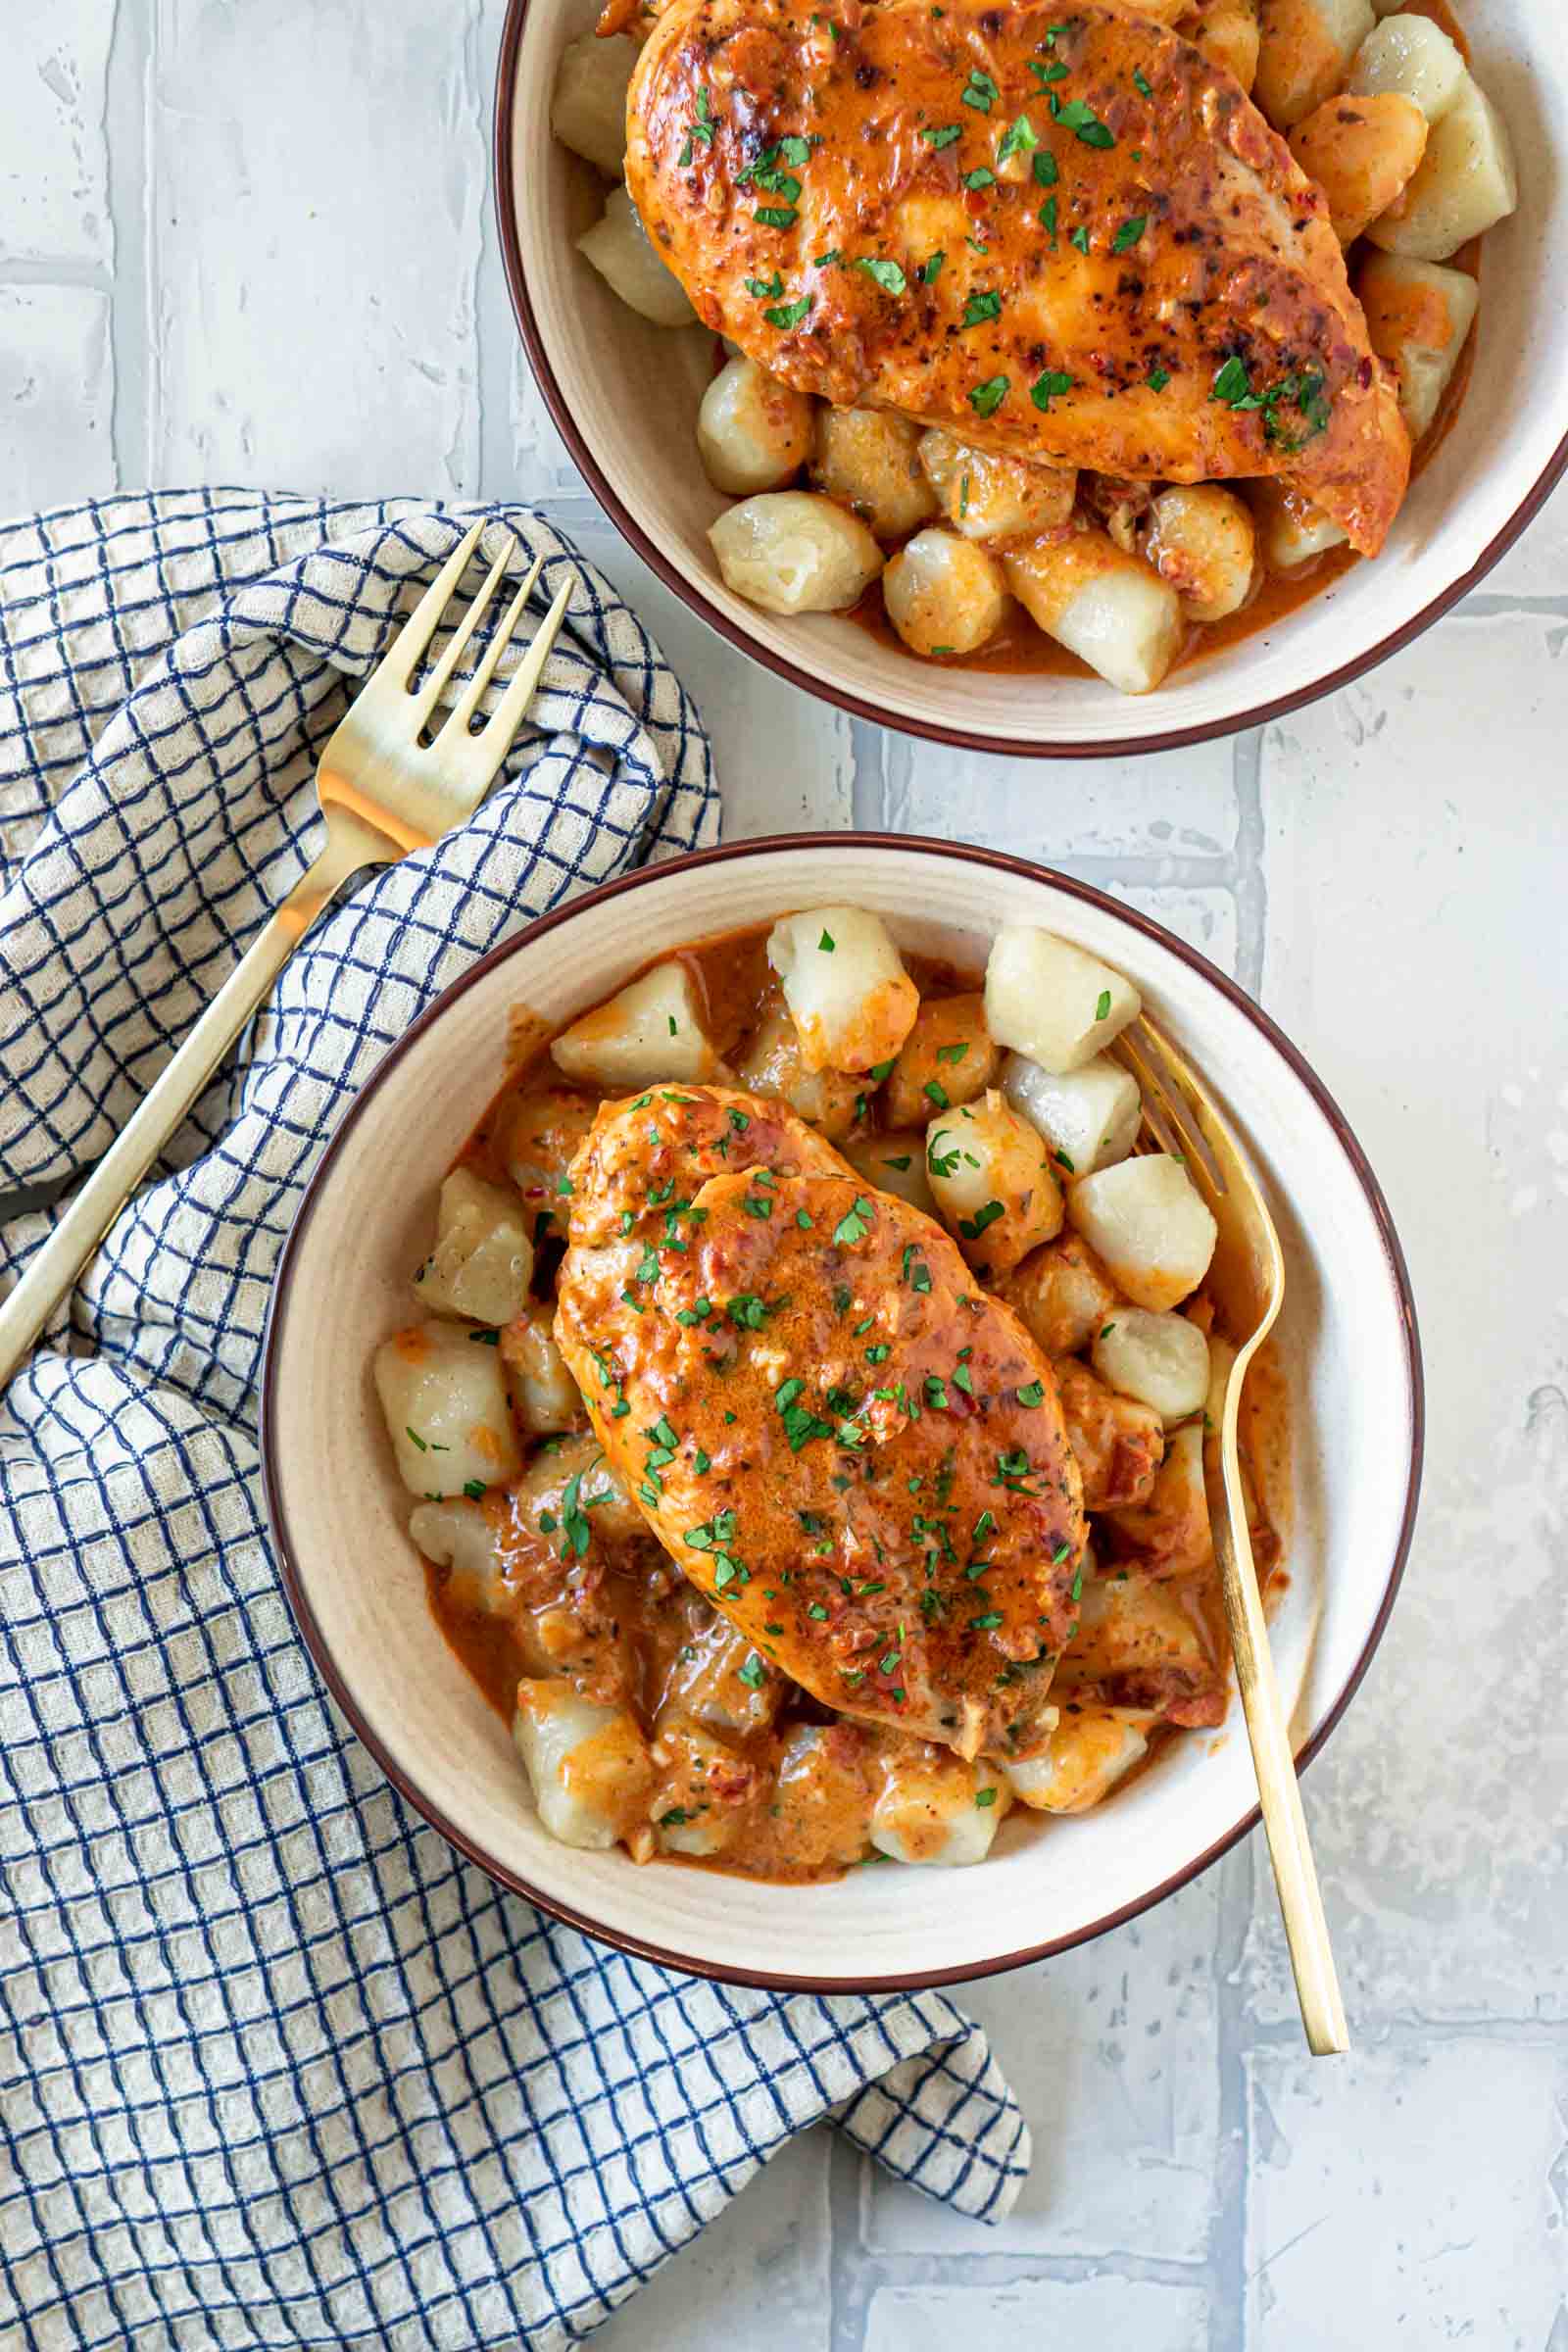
column 856, row 1454
column 1060, row 232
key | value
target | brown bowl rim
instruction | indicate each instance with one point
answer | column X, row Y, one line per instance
column 1001, row 862
column 1170, row 738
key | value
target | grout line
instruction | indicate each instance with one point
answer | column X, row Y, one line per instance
column 133, row 339
column 56, row 271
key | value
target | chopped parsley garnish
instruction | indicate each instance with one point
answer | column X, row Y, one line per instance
column 1159, row 379
column 854, row 1224
column 887, row 274
column 981, row 92
column 944, row 136
column 1128, row 235
column 1034, row 1393
column 936, row 1094
column 1017, row 139
column 987, row 398
column 475, row 1488
column 1049, row 387
column 825, row 261
column 765, row 289
column 1102, row 1005
column 1078, row 116
column 747, row 1311
column 788, row 314
column 988, row 1622
column 757, row 1204
column 931, row 270
column 1233, row 386
column 753, row 1674
column 700, row 133
column 982, row 177
column 1048, row 219
column 1047, row 74
column 985, row 1796
column 1140, row 83
column 979, row 308
column 1079, row 237
column 827, row 943
column 973, row 1227
column 776, row 216
column 1045, row 169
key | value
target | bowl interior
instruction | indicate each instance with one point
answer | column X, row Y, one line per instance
column 340, row 1514
column 638, row 446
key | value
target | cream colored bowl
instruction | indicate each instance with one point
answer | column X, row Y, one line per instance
column 624, row 395
column 357, row 1584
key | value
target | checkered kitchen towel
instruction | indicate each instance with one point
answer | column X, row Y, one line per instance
column 277, row 2067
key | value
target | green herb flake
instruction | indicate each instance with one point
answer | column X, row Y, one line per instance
column 1045, row 170
column 981, row 91
column 1128, row 235
column 1049, row 387
column 776, row 216
column 1102, row 1005
column 1157, row 378
column 943, row 135
column 1033, row 1394
column 931, row 270
column 1019, row 138
column 789, row 313
column 827, row 943
column 887, row 274
column 753, row 1674
column 985, row 1796
column 854, row 1224
column 1141, row 83
column 979, row 308
column 987, row 1622
column 987, row 398
column 982, row 177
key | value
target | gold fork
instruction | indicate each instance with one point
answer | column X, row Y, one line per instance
column 382, row 794
column 1182, row 1117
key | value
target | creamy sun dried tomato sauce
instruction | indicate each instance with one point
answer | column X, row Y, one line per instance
column 630, row 1631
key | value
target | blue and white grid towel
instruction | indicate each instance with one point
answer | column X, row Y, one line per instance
column 277, row 2067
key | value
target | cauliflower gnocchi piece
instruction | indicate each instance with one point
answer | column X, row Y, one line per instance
column 1103, row 604
column 588, row 1766
column 790, row 550
column 539, row 1136
column 1295, row 532
column 648, row 1032
column 773, row 1064
column 753, row 432
column 947, row 1060
column 1169, row 1535
column 996, row 499
column 822, row 1799
column 943, row 595
column 1361, row 152
column 896, row 1163
column 1466, row 184
column 701, row 1791
column 544, row 1395
column 1161, row 1359
column 992, row 1179
column 1304, row 53
column 1412, row 55
column 1118, row 1443
column 934, row 1808
column 1089, row 1116
column 572, row 1476
column 1418, row 318
column 1201, row 542
column 461, row 1537
column 1137, row 1639
column 866, row 460
column 619, row 248
column 588, row 112
column 446, row 1410
column 711, row 1680
column 482, row 1263
column 1146, row 1222
column 1053, row 1001
column 1227, row 32
column 1089, row 1750
column 1061, row 1295
column 852, row 1000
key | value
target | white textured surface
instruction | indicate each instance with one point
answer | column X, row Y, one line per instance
column 253, row 243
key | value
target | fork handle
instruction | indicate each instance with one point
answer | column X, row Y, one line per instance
column 1306, row 1932
column 94, row 1206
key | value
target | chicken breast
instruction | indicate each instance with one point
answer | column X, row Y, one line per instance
column 1060, row 233
column 852, row 1452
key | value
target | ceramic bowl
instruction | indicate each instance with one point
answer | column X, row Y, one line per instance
column 357, row 1584
column 624, row 395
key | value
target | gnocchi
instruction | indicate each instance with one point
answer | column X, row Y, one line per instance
column 1162, row 1361
column 944, row 595
column 588, row 1766
column 934, row 1808
column 1361, row 152
column 1053, row 1002
column 1118, row 1443
column 1091, row 1749
column 1466, row 184
column 1146, row 1222
column 791, row 551
column 621, row 251
column 774, row 1064
column 446, row 1410
column 850, row 999
column 1201, row 542
column 1061, row 1294
column 650, row 1029
column 1295, row 532
column 993, row 1183
column 544, row 1395
column 992, row 498
column 482, row 1263
column 753, row 432
column 461, row 1537
column 1103, row 604
column 1419, row 317
column 1304, row 54
column 1228, row 33
column 894, row 1163
column 1413, row 56
column 947, row 1060
column 866, row 460
column 588, row 112
column 1170, row 1536
column 1089, row 1116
